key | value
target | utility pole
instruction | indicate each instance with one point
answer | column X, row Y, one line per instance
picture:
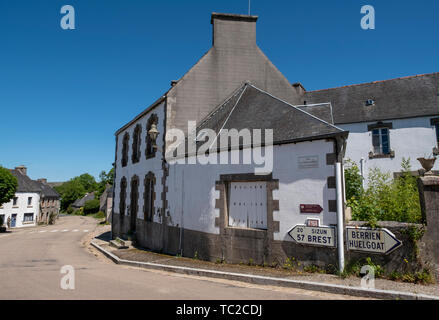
column 249, row 6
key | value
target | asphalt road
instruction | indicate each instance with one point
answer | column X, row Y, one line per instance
column 31, row 262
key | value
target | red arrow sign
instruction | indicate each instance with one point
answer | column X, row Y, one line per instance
column 310, row 208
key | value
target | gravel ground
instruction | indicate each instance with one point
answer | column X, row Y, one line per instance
column 102, row 234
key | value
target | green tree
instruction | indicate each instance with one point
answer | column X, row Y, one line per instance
column 104, row 180
column 70, row 191
column 91, row 206
column 8, row 185
column 87, row 181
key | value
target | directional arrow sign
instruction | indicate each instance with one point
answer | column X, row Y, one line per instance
column 314, row 236
column 310, row 208
column 371, row 240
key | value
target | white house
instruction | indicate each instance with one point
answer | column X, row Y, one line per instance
column 387, row 120
column 34, row 201
column 191, row 203
column 185, row 198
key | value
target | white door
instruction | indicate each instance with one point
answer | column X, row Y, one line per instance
column 248, row 205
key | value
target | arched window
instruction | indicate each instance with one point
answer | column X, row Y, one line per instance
column 122, row 196
column 149, row 197
column 150, row 151
column 134, row 201
column 126, row 139
column 136, row 144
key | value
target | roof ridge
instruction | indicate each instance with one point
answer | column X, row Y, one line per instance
column 296, row 108
column 231, row 111
column 375, row 82
column 222, row 104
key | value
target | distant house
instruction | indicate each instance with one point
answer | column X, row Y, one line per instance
column 80, row 203
column 33, row 203
column 106, row 202
column 49, row 202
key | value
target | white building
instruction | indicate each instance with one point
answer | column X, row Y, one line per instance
column 34, row 201
column 228, row 211
column 387, row 120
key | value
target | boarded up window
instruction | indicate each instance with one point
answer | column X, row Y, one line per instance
column 248, row 205
column 126, row 139
column 122, row 196
column 148, row 197
column 134, row 201
column 136, row 144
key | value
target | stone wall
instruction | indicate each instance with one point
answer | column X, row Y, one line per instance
column 242, row 246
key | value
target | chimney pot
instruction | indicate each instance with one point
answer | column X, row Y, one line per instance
column 22, row 169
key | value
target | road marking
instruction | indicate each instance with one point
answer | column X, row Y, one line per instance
column 76, row 230
column 43, row 231
column 65, row 230
column 54, row 231
column 85, row 230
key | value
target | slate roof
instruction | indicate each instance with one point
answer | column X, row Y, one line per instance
column 26, row 184
column 252, row 108
column 81, row 202
column 47, row 191
column 408, row 97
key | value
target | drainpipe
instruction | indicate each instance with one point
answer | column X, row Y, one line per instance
column 362, row 171
column 340, row 222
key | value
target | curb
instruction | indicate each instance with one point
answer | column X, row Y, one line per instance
column 280, row 282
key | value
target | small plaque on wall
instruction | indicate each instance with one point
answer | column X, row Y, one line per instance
column 308, row 162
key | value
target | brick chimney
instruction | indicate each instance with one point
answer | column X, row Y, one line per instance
column 22, row 169
column 42, row 180
column 233, row 30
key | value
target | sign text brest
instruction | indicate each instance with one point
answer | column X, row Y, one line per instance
column 317, row 236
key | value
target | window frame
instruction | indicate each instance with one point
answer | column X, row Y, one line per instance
column 377, row 132
column 27, row 214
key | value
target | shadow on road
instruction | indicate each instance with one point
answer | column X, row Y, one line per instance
column 105, row 236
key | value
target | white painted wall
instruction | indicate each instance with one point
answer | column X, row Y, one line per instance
column 143, row 166
column 409, row 138
column 21, row 208
column 192, row 193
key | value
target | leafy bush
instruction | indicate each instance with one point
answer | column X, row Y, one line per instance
column 99, row 215
column 354, row 181
column 384, row 199
column 91, row 206
column 69, row 210
column 8, row 185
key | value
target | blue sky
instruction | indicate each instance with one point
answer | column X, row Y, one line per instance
column 63, row 93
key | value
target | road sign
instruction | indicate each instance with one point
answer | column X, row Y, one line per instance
column 371, row 240
column 310, row 208
column 314, row 236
